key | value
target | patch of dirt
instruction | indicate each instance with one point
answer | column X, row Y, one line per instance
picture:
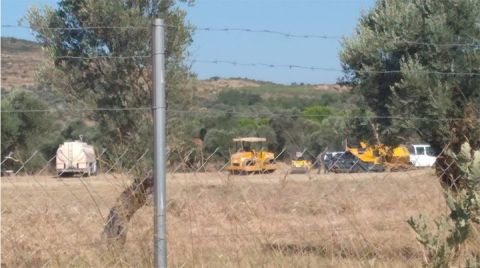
column 214, row 86
column 331, row 87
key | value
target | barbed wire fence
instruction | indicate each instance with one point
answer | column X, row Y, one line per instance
column 217, row 217
column 333, row 212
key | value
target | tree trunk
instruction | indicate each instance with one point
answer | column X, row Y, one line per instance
column 131, row 199
column 375, row 131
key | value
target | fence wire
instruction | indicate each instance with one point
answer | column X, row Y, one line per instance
column 320, row 208
column 331, row 209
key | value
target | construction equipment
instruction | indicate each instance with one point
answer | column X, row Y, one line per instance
column 372, row 158
column 300, row 164
column 251, row 157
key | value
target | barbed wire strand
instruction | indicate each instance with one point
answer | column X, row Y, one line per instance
column 272, row 65
column 237, row 234
column 357, row 230
column 240, row 114
column 192, row 213
column 251, row 30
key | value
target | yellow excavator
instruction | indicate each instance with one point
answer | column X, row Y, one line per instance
column 391, row 158
column 251, row 156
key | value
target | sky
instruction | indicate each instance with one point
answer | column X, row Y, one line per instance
column 337, row 18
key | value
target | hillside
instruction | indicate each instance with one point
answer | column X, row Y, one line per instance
column 210, row 88
column 20, row 61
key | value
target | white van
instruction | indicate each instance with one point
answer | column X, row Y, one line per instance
column 421, row 155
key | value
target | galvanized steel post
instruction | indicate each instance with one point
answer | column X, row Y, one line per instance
column 159, row 163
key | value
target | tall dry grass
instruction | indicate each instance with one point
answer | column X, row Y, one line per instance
column 335, row 220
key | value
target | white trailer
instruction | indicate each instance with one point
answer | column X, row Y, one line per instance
column 76, row 157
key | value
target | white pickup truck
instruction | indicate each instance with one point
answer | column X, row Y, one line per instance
column 421, row 155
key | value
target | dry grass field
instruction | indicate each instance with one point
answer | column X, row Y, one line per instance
column 215, row 220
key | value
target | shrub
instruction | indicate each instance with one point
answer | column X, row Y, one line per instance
column 452, row 230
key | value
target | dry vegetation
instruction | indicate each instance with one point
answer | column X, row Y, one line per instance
column 211, row 87
column 331, row 87
column 20, row 62
column 335, row 220
column 207, row 87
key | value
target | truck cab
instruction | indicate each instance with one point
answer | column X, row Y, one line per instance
column 422, row 155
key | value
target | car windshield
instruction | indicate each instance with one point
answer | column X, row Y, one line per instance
column 430, row 151
column 420, row 150
column 249, row 146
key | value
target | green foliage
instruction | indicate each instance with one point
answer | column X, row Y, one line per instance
column 218, row 138
column 11, row 124
column 252, row 122
column 115, row 82
column 237, row 97
column 25, row 132
column 402, row 61
column 75, row 128
column 419, row 90
column 316, row 113
column 269, row 133
column 290, row 117
column 23, row 127
column 455, row 228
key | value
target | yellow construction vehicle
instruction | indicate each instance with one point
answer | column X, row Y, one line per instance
column 300, row 164
column 391, row 158
column 251, row 157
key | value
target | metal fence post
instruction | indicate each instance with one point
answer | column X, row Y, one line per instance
column 159, row 164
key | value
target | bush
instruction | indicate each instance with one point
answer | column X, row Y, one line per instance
column 26, row 130
column 452, row 230
column 218, row 138
column 316, row 113
column 236, row 98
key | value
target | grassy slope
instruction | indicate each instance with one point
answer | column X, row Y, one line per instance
column 208, row 88
column 20, row 61
column 16, row 46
